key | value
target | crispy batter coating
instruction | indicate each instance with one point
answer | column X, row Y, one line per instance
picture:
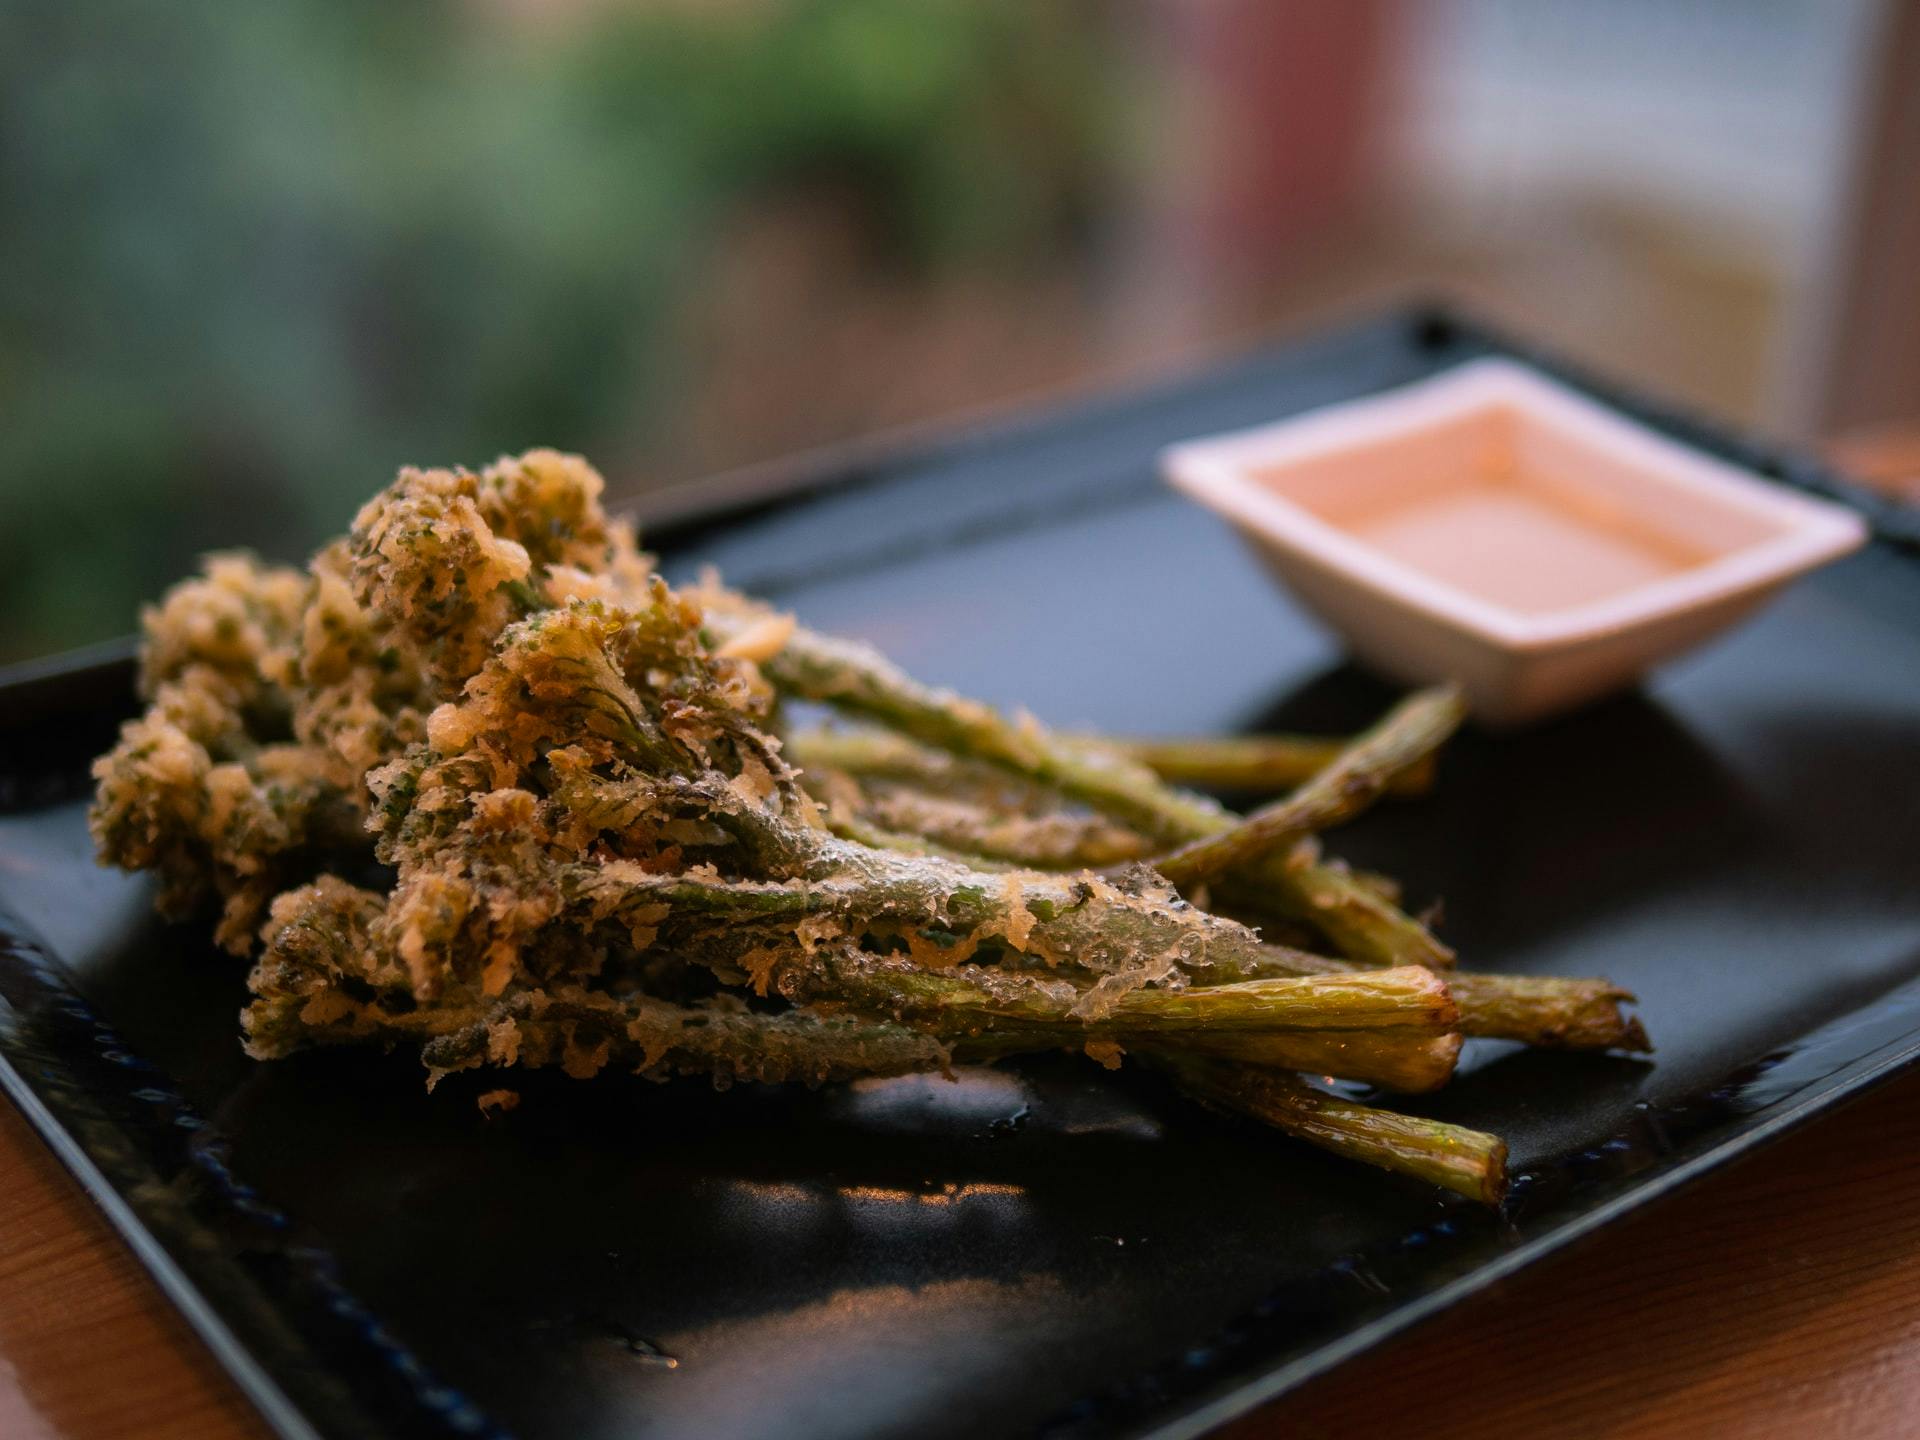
column 272, row 693
column 446, row 558
column 214, row 787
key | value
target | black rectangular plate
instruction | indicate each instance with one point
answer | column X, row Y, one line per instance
column 1043, row 1248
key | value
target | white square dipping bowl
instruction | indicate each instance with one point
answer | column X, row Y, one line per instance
column 1494, row 527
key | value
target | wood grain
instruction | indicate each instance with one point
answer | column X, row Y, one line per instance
column 1886, row 457
column 1780, row 1297
column 89, row 1348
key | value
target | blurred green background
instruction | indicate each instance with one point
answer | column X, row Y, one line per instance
column 255, row 257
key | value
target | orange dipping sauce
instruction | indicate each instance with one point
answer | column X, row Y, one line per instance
column 1531, row 550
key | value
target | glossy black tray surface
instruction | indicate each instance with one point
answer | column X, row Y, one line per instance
column 1041, row 1249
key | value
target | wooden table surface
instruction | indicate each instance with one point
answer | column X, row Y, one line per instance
column 1779, row 1297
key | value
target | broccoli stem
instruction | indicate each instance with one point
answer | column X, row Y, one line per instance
column 859, row 679
column 1468, row 1162
column 1548, row 1011
column 1410, row 733
column 1247, row 763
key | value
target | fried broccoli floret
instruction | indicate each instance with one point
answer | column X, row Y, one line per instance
column 479, row 782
